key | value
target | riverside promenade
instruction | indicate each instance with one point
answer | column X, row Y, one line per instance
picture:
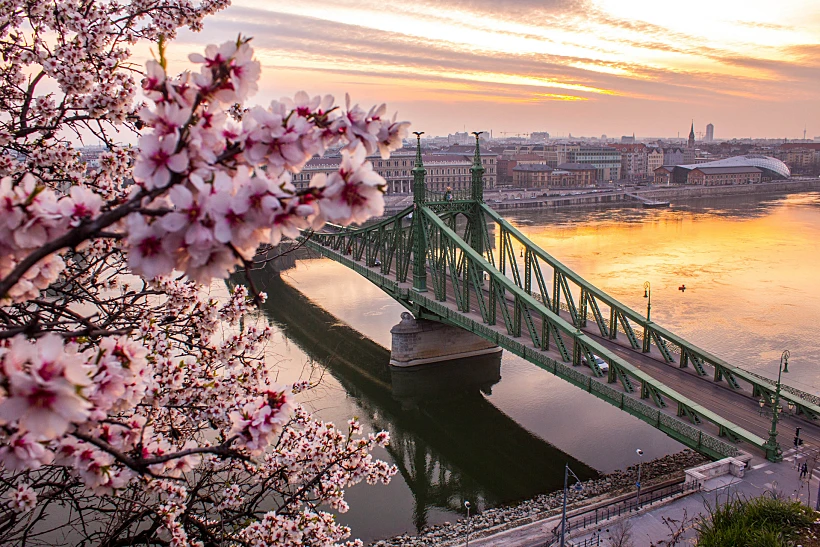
column 654, row 523
column 537, row 198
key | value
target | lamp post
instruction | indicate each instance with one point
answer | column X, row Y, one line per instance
column 647, row 293
column 467, row 505
column 639, row 452
column 773, row 452
column 578, row 487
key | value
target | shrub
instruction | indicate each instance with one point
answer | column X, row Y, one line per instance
column 755, row 522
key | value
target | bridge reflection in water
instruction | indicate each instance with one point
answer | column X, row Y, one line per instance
column 447, row 440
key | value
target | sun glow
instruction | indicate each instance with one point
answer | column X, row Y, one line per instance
column 703, row 53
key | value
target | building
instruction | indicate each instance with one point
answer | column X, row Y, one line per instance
column 444, row 170
column 626, row 139
column 585, row 174
column 531, row 175
column 506, row 163
column 534, row 175
column 488, row 160
column 800, row 157
column 634, row 161
column 557, row 154
column 675, row 156
column 670, row 174
column 772, row 168
column 91, row 155
column 466, row 138
column 710, row 133
column 607, row 161
column 734, row 170
column 719, row 176
column 654, row 158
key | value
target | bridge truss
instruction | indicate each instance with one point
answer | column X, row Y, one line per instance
column 440, row 261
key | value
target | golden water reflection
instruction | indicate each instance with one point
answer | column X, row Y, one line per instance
column 750, row 268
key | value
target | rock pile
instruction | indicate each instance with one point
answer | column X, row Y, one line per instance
column 501, row 518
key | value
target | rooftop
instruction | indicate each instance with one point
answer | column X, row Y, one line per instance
column 539, row 167
column 577, row 166
column 467, row 149
column 727, row 170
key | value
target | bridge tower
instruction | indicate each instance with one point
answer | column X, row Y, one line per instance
column 477, row 195
column 419, row 241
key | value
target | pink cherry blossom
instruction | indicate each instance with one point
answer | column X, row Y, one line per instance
column 151, row 250
column 22, row 498
column 24, row 452
column 128, row 376
column 354, row 193
column 157, row 159
column 81, row 204
column 43, row 398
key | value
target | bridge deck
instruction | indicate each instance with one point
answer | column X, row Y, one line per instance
column 735, row 405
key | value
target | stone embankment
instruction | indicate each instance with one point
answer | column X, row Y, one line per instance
column 523, row 198
column 497, row 519
column 662, row 193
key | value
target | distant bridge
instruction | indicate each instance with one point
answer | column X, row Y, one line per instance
column 436, row 258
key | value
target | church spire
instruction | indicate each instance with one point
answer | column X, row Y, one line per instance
column 692, row 135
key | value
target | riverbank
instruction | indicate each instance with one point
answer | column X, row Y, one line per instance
column 494, row 520
column 521, row 199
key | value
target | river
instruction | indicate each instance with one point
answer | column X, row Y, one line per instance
column 495, row 432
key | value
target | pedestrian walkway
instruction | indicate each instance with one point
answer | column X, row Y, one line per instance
column 655, row 523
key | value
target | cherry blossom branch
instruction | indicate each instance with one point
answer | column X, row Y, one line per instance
column 75, row 237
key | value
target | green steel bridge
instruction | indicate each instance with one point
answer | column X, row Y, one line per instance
column 438, row 260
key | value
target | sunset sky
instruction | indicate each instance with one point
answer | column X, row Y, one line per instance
column 586, row 67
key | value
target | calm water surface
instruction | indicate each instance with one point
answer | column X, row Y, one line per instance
column 497, row 432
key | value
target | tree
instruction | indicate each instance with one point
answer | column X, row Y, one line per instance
column 620, row 534
column 134, row 408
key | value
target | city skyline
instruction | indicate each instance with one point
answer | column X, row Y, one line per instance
column 563, row 66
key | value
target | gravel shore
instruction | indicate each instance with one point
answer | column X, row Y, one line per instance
column 502, row 518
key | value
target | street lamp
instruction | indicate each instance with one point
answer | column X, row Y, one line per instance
column 773, row 452
column 647, row 293
column 467, row 505
column 578, row 488
column 639, row 452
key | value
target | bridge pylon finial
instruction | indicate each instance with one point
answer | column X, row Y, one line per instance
column 477, row 156
column 477, row 171
column 418, row 135
column 418, row 172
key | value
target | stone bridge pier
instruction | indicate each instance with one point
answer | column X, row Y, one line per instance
column 420, row 342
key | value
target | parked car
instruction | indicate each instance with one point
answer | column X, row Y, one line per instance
column 603, row 365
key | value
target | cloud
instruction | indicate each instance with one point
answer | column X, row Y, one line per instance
column 528, row 51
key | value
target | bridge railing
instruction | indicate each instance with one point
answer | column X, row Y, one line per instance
column 690, row 436
column 451, row 195
column 666, row 341
column 382, row 252
column 620, row 507
column 519, row 322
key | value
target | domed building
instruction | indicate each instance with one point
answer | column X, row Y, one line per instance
column 751, row 168
column 772, row 168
